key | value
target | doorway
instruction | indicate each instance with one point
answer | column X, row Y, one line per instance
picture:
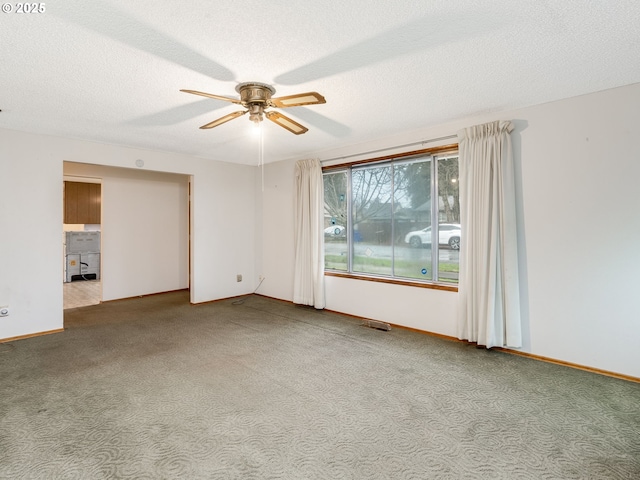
column 144, row 231
column 82, row 285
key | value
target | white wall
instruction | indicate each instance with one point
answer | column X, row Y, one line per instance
column 30, row 236
column 275, row 244
column 145, row 229
column 577, row 165
column 31, row 170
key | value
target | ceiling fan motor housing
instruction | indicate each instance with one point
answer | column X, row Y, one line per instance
column 255, row 96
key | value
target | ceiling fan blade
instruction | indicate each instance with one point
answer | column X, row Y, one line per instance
column 285, row 122
column 211, row 95
column 224, row 119
column 309, row 98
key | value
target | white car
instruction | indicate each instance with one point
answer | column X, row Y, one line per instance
column 448, row 233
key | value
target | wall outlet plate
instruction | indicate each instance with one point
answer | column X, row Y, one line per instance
column 238, row 278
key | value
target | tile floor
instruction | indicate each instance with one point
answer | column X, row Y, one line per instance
column 82, row 293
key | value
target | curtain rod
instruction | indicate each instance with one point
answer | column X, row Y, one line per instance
column 422, row 142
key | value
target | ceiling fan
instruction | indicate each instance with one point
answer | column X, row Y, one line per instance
column 256, row 98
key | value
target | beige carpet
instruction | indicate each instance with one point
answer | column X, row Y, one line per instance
column 154, row 388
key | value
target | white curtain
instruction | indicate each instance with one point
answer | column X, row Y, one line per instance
column 489, row 289
column 308, row 286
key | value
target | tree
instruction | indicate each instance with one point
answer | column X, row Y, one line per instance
column 335, row 196
column 371, row 193
column 415, row 178
column 449, row 188
column 383, row 190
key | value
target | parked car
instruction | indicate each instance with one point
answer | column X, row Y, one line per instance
column 335, row 231
column 448, row 233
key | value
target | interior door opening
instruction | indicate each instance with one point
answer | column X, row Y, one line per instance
column 82, row 246
column 144, row 234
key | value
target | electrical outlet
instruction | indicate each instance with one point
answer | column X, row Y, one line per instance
column 4, row 311
column 238, row 278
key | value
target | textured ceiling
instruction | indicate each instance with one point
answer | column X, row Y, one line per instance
column 111, row 71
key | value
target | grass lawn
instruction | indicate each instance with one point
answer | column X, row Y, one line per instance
column 382, row 266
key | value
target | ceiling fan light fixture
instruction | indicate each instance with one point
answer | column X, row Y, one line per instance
column 255, row 112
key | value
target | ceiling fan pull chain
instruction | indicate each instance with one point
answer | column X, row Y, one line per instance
column 261, row 154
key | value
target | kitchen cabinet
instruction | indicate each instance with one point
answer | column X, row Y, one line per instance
column 82, row 202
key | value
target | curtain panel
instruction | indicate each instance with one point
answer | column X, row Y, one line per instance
column 308, row 287
column 489, row 289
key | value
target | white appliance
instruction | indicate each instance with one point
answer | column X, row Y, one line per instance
column 82, row 256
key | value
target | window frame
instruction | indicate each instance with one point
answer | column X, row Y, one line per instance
column 431, row 284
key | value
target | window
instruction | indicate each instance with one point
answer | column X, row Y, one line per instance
column 380, row 218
